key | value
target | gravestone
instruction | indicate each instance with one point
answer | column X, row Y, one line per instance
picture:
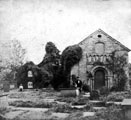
column 126, row 107
column 12, row 86
column 6, row 86
column 1, row 86
column 3, row 100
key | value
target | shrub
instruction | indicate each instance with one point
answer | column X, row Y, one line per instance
column 86, row 88
column 3, row 111
column 111, row 113
column 94, row 95
column 104, row 91
column 62, row 108
column 2, row 117
column 116, row 96
column 113, row 89
column 32, row 104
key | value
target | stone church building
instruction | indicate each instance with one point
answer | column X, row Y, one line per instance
column 97, row 47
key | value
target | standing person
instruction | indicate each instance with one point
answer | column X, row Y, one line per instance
column 78, row 84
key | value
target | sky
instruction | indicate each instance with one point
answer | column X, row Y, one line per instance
column 64, row 22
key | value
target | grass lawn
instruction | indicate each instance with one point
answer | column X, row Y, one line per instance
column 56, row 104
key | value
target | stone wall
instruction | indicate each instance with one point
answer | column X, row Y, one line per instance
column 88, row 46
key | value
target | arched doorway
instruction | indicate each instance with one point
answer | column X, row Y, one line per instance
column 99, row 78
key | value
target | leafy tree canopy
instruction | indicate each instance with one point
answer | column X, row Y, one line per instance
column 52, row 54
column 70, row 56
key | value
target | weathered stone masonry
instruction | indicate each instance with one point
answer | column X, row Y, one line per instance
column 96, row 48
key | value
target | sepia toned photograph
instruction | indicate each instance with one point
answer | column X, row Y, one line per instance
column 65, row 60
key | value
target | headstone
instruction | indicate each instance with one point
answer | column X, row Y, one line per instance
column 12, row 86
column 6, row 86
column 3, row 101
column 126, row 107
column 1, row 86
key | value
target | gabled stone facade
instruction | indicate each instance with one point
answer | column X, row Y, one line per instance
column 96, row 48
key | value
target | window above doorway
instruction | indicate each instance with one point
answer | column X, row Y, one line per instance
column 99, row 48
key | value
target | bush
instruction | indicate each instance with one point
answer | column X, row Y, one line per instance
column 2, row 117
column 104, row 91
column 111, row 113
column 113, row 89
column 3, row 111
column 86, row 88
column 116, row 96
column 32, row 104
column 62, row 108
column 94, row 95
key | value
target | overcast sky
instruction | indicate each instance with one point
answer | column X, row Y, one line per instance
column 64, row 22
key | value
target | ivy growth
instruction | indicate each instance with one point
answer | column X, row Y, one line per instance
column 117, row 65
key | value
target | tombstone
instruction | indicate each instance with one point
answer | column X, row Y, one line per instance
column 3, row 100
column 126, row 107
column 6, row 86
column 12, row 86
column 1, row 87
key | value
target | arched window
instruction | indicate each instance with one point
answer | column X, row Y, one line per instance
column 99, row 48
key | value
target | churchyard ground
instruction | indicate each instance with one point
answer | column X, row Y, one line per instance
column 47, row 104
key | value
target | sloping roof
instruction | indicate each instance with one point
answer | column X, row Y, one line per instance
column 99, row 30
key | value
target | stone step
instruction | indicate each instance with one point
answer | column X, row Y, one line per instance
column 99, row 108
column 88, row 114
column 29, row 109
column 78, row 106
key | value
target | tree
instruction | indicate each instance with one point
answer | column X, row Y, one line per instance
column 116, row 64
column 52, row 54
column 55, row 68
column 13, row 60
column 17, row 54
column 70, row 56
column 50, row 64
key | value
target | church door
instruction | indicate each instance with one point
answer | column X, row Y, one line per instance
column 99, row 79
